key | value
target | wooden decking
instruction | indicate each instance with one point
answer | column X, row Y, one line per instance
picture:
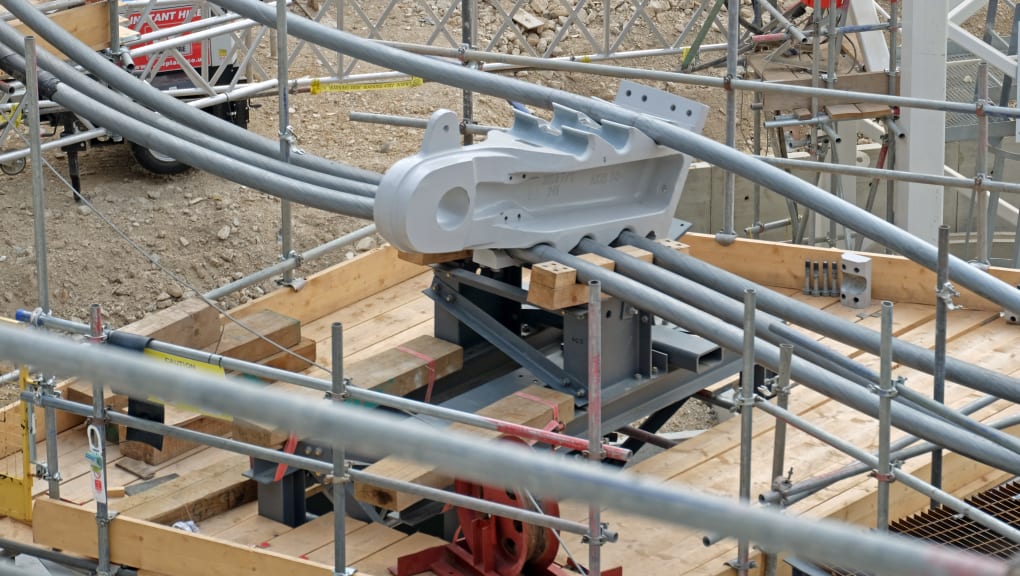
column 379, row 301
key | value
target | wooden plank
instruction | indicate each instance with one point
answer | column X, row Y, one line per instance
column 393, row 371
column 90, row 24
column 513, row 408
column 872, row 110
column 311, row 536
column 174, row 446
column 893, row 277
column 843, row 112
column 191, row 323
column 298, row 358
column 365, row 310
column 427, row 259
column 875, row 82
column 338, row 286
column 254, row 531
column 360, row 543
column 380, row 562
column 197, row 496
column 149, row 546
column 241, row 343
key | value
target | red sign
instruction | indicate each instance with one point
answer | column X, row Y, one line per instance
column 168, row 18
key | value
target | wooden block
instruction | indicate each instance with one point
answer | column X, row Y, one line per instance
column 237, row 342
column 427, row 259
column 172, row 445
column 90, row 24
column 634, row 251
column 392, row 371
column 298, row 359
column 802, row 113
column 149, row 546
column 843, row 112
column 513, row 408
column 871, row 110
column 553, row 275
column 115, row 492
column 782, row 266
column 554, row 286
column 674, row 245
column 136, row 467
column 196, row 496
column 189, row 323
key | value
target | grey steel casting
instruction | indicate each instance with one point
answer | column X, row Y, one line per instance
column 682, row 140
column 499, row 464
column 637, row 289
column 171, row 107
column 911, row 355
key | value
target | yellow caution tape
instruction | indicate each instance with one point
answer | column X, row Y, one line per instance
column 318, row 87
column 193, row 365
column 185, row 362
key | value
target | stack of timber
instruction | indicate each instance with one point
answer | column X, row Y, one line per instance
column 383, row 308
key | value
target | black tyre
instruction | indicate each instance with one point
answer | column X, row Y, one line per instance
column 156, row 162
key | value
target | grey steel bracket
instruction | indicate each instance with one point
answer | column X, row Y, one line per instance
column 539, row 182
column 467, row 313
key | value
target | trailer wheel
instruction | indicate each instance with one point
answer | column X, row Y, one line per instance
column 156, row 162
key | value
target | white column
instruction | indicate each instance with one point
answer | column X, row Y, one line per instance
column 874, row 48
column 923, row 66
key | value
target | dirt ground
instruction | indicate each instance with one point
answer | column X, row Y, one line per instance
column 209, row 230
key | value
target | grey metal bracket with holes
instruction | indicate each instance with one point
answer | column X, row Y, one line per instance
column 856, row 289
column 539, row 182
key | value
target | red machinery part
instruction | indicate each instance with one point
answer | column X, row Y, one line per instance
column 824, row 3
column 493, row 545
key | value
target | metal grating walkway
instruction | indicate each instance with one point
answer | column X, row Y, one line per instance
column 943, row 526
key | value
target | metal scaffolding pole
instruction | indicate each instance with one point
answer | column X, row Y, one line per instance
column 961, row 507
column 543, row 474
column 728, row 233
column 339, row 478
column 782, row 390
column 746, row 403
column 313, row 465
column 594, row 418
column 286, row 221
column 885, row 390
column 943, row 294
column 914, row 356
column 97, row 450
column 364, row 395
column 642, row 287
column 984, row 240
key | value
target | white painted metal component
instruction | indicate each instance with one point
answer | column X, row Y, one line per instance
column 961, row 11
column 855, row 285
column 919, row 206
column 874, row 48
column 539, row 182
column 983, row 50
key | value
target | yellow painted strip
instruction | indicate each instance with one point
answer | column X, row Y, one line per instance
column 319, row 87
column 186, row 363
column 194, row 365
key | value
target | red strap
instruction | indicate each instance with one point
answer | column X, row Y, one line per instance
column 431, row 366
column 288, row 448
column 555, row 423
